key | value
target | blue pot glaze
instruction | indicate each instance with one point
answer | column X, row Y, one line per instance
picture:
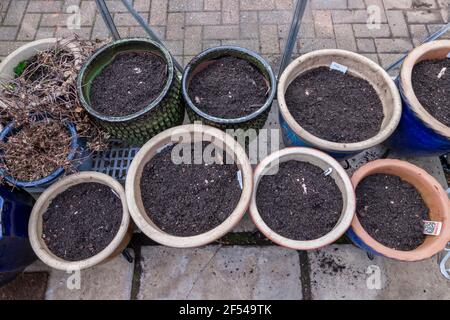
column 77, row 149
column 414, row 138
column 15, row 248
column 359, row 243
column 291, row 139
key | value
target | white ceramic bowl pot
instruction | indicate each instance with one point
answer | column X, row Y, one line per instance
column 190, row 134
column 28, row 50
column 293, row 132
column 317, row 158
column 116, row 246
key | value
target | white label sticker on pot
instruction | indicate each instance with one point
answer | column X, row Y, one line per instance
column 338, row 67
column 432, row 228
column 239, row 178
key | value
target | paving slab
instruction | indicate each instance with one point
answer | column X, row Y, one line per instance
column 345, row 272
column 216, row 272
column 109, row 281
column 27, row 286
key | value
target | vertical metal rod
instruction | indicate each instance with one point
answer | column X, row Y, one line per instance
column 149, row 31
column 432, row 37
column 107, row 18
column 293, row 32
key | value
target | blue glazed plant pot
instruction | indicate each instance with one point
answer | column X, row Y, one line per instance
column 77, row 151
column 419, row 133
column 15, row 248
column 295, row 135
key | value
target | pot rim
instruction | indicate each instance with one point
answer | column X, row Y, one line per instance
column 406, row 88
column 74, row 144
column 153, row 104
column 40, row 206
column 140, row 217
column 417, row 254
column 329, row 146
column 346, row 216
column 204, row 55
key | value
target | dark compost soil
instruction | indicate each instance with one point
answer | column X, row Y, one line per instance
column 229, row 88
column 27, row 286
column 128, row 84
column 36, row 151
column 82, row 221
column 188, row 199
column 299, row 202
column 432, row 92
column 335, row 106
column 391, row 211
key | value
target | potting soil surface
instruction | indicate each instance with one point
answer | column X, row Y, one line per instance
column 335, row 106
column 229, row 88
column 431, row 84
column 188, row 199
column 391, row 211
column 128, row 84
column 299, row 202
column 82, row 221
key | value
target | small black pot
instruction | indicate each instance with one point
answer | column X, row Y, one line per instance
column 255, row 120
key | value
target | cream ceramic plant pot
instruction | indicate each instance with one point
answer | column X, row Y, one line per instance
column 190, row 133
column 323, row 161
column 433, row 195
column 295, row 135
column 27, row 51
column 117, row 245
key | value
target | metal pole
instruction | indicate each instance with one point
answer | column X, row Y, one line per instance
column 432, row 37
column 107, row 18
column 293, row 32
column 149, row 31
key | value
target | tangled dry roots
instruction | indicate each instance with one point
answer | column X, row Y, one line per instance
column 47, row 89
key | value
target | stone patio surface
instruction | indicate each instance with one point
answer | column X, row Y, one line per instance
column 242, row 267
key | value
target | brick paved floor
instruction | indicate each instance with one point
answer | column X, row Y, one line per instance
column 189, row 26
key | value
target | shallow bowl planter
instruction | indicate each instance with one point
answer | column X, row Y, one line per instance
column 295, row 135
column 433, row 195
column 76, row 150
column 419, row 133
column 117, row 245
column 27, row 51
column 193, row 133
column 255, row 120
column 163, row 112
column 323, row 161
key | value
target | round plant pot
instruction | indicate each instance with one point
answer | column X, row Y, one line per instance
column 190, row 133
column 255, row 120
column 295, row 135
column 27, row 51
column 323, row 161
column 76, row 150
column 419, row 133
column 163, row 112
column 117, row 245
column 433, row 195
column 15, row 249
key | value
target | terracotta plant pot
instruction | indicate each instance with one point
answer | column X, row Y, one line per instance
column 419, row 133
column 433, row 195
column 295, row 135
column 117, row 245
column 193, row 133
column 324, row 162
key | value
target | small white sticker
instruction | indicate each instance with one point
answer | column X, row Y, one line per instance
column 239, row 178
column 338, row 67
column 442, row 73
column 328, row 172
column 432, row 228
column 448, row 55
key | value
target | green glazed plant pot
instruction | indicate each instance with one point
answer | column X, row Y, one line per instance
column 164, row 112
column 255, row 120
